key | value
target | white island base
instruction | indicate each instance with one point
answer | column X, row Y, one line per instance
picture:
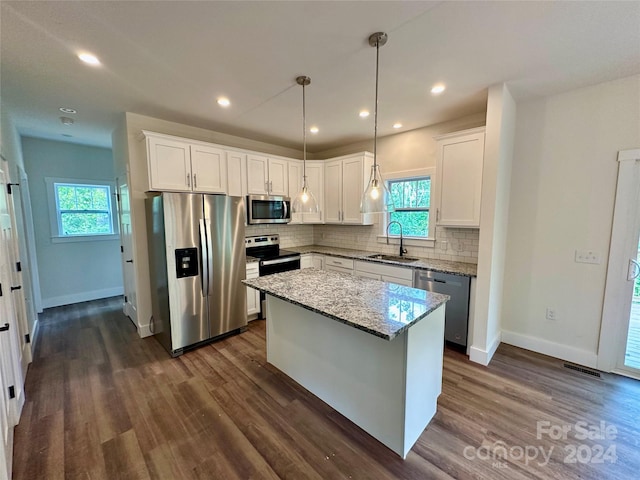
column 389, row 388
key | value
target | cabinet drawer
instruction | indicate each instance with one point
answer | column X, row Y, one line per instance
column 338, row 262
column 333, row 268
column 385, row 270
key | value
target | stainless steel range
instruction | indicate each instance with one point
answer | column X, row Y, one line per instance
column 272, row 258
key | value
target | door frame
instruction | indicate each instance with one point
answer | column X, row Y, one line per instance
column 626, row 226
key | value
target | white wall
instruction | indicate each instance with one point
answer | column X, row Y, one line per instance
column 75, row 271
column 496, row 184
column 563, row 189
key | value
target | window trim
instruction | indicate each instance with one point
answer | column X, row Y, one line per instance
column 54, row 220
column 429, row 241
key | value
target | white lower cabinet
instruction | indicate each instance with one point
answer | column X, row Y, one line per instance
column 312, row 260
column 253, row 295
column 386, row 273
column 338, row 264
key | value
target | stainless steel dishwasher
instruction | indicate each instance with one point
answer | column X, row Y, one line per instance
column 456, row 317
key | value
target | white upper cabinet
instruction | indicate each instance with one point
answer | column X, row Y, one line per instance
column 267, row 176
column 315, row 183
column 459, row 178
column 345, row 180
column 179, row 165
column 169, row 164
column 208, row 169
column 236, row 174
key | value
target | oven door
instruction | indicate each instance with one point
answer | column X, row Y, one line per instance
column 277, row 265
column 268, row 209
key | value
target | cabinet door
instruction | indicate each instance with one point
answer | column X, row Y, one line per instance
column 257, row 175
column 315, row 182
column 253, row 295
column 208, row 169
column 353, row 180
column 278, row 177
column 358, row 273
column 169, row 165
column 306, row 261
column 236, row 174
column 333, row 192
column 318, row 261
column 459, row 177
column 399, row 281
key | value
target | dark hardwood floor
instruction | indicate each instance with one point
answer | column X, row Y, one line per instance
column 105, row 404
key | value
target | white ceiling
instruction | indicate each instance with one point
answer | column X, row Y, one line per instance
column 171, row 60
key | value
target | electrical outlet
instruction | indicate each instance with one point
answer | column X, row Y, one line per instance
column 551, row 313
column 443, row 245
column 588, row 256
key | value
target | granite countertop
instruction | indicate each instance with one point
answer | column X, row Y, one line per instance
column 445, row 266
column 379, row 308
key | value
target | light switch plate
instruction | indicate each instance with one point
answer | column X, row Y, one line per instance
column 588, row 256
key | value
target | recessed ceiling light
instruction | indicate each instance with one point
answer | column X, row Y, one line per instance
column 67, row 110
column 438, row 89
column 364, row 113
column 66, row 120
column 89, row 59
column 314, row 130
column 224, row 102
column 397, row 125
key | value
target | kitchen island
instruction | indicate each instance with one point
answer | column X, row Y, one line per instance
column 371, row 350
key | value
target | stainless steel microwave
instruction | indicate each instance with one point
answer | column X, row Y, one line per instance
column 268, row 209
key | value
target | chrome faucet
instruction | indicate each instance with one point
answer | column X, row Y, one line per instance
column 402, row 249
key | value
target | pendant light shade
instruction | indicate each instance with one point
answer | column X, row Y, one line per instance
column 376, row 197
column 305, row 201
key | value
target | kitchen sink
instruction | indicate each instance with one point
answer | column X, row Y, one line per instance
column 393, row 258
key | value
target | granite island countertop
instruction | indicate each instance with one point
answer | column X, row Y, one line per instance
column 444, row 266
column 379, row 308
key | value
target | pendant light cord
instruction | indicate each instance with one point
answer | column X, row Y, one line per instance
column 304, row 139
column 375, row 112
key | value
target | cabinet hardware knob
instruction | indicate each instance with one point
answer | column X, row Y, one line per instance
column 5, row 328
column 16, row 288
column 129, row 261
column 189, row 180
column 195, row 181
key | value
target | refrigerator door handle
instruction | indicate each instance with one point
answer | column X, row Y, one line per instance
column 204, row 256
column 209, row 290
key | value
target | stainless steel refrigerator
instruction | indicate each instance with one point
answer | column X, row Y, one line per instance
column 197, row 261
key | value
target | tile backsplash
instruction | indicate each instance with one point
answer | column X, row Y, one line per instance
column 290, row 235
column 457, row 244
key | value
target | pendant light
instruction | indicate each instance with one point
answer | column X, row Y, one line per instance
column 305, row 202
column 376, row 197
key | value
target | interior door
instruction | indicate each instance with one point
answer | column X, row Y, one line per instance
column 126, row 239
column 18, row 288
column 12, row 291
column 619, row 346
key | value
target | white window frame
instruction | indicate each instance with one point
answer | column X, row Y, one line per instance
column 54, row 219
column 430, row 241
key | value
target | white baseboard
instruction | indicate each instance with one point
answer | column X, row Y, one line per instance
column 144, row 330
column 483, row 357
column 556, row 350
column 81, row 297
